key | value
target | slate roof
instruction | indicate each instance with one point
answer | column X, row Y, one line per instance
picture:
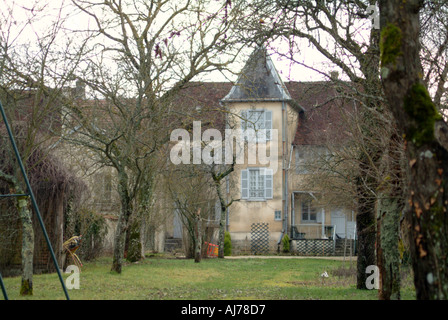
column 319, row 112
column 325, row 112
column 258, row 81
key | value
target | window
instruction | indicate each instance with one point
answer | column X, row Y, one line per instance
column 277, row 215
column 256, row 124
column 256, row 184
column 308, row 212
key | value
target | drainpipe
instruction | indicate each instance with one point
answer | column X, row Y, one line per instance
column 292, row 194
column 285, row 176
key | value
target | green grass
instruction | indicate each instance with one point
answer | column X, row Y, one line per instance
column 213, row 279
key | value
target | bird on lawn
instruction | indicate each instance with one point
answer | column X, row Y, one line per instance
column 323, row 276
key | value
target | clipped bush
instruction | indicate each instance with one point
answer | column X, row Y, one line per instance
column 227, row 244
column 285, row 242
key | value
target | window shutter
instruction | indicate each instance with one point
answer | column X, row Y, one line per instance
column 268, row 183
column 244, row 184
column 268, row 124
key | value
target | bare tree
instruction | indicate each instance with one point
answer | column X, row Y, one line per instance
column 30, row 89
column 191, row 195
column 333, row 29
column 142, row 55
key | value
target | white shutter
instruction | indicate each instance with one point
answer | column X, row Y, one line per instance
column 268, row 124
column 268, row 183
column 244, row 184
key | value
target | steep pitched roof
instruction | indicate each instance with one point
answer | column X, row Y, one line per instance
column 258, row 81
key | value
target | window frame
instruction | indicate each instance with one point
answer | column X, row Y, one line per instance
column 277, row 215
column 263, row 130
column 309, row 206
column 268, row 180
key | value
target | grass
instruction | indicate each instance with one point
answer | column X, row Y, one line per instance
column 159, row 278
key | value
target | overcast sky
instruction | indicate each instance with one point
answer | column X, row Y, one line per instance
column 288, row 71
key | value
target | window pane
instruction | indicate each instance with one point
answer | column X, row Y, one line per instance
column 278, row 215
column 256, row 184
column 256, row 119
column 305, row 208
column 312, row 213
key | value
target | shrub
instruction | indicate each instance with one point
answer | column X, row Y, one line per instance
column 93, row 228
column 285, row 242
column 227, row 244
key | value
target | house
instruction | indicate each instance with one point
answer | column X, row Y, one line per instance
column 295, row 123
column 295, row 126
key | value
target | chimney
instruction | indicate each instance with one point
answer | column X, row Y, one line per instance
column 334, row 75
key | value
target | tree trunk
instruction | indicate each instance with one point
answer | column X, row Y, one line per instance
column 123, row 223
column 426, row 148
column 27, row 246
column 197, row 237
column 389, row 207
column 366, row 234
column 222, row 231
column 133, row 246
column 27, row 235
column 388, row 256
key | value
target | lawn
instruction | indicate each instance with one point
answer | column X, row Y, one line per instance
column 161, row 278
